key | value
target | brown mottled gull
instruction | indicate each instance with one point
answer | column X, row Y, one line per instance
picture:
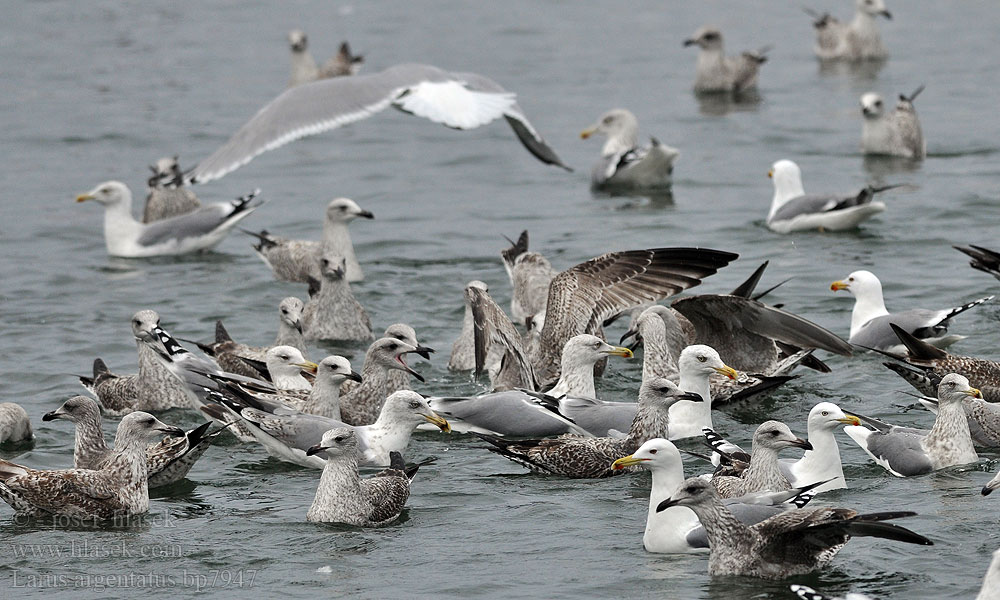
column 764, row 473
column 361, row 405
column 858, row 40
column 332, row 313
column 530, row 274
column 231, row 354
column 715, row 72
column 168, row 197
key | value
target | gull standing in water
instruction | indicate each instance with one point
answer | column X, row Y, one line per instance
column 894, row 134
column 858, row 40
column 715, row 72
column 456, row 100
column 871, row 321
column 623, row 164
column 197, row 231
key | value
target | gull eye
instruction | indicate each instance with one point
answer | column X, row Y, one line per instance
column 137, row 322
column 325, row 262
column 284, row 311
column 663, row 390
column 702, row 358
column 825, row 413
column 401, row 338
column 393, row 346
column 607, row 120
column 951, row 384
column 878, row 103
column 652, row 451
column 339, row 439
column 772, row 432
column 106, row 190
column 850, row 279
column 414, row 404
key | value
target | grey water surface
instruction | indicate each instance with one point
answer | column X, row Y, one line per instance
column 99, row 90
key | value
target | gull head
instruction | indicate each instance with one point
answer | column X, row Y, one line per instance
column 143, row 324
column 617, row 122
column 336, row 369
column 955, row 388
column 109, row 193
column 390, row 354
column 297, row 40
column 703, row 360
column 332, row 266
column 290, row 312
column 141, row 426
column 661, row 393
column 787, row 178
column 775, row 435
column 860, row 284
column 693, row 492
column 872, row 106
column 286, row 361
column 707, row 38
column 874, row 8
column 586, row 349
column 336, row 443
column 829, row 416
column 656, row 453
column 410, row 407
column 405, row 333
column 345, row 210
column 76, row 409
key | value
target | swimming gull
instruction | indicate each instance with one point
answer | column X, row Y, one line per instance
column 396, row 379
column 895, row 134
column 822, row 463
column 196, row 231
column 332, row 312
column 361, row 405
column 592, row 457
column 456, row 100
column 905, row 451
column 793, row 210
column 167, row 461
column 983, row 259
column 530, row 274
column 298, row 260
column 763, row 472
column 794, row 542
column 676, row 530
column 463, row 351
column 991, row 581
column 118, row 489
column 983, row 417
column 870, row 320
column 304, row 67
column 807, row 593
column 624, row 164
column 583, row 297
column 287, row 434
column 715, row 72
column 168, row 197
column 858, row 40
column 15, row 425
column 240, row 358
column 343, row 497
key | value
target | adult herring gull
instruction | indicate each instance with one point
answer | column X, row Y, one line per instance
column 624, row 164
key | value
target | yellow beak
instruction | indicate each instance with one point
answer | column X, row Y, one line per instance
column 619, row 351
column 974, row 393
column 84, row 197
column 727, row 371
column 308, row 366
column 627, row 461
column 838, row 285
column 770, row 173
column 849, row 420
column 441, row 422
column 586, row 133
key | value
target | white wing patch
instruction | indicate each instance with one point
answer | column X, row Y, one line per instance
column 452, row 105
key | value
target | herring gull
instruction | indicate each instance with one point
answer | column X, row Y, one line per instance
column 118, row 489
column 360, row 404
column 906, row 451
column 298, row 260
column 715, row 72
column 15, row 425
column 983, row 259
column 895, row 134
column 623, row 163
column 456, row 100
column 343, row 497
column 821, row 463
column 530, row 274
column 763, row 473
column 870, row 320
column 304, row 67
column 397, row 379
column 168, row 196
column 794, row 542
column 463, row 351
column 794, row 210
column 332, row 312
column 858, row 40
column 196, row 231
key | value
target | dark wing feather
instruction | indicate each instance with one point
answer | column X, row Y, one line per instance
column 493, row 325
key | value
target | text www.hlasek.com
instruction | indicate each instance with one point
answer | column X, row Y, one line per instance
column 197, row 580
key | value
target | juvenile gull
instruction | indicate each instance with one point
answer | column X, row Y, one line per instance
column 396, row 379
column 234, row 357
column 793, row 210
column 298, row 260
column 624, row 164
column 168, row 197
column 763, row 473
column 118, row 489
column 343, row 497
column 715, row 72
column 983, row 417
column 15, row 425
column 530, row 274
column 676, row 530
column 463, row 351
column 167, row 461
column 456, row 100
column 792, row 543
column 983, row 259
column 588, row 458
column 196, row 231
column 361, row 405
column 858, row 40
column 870, row 320
column 287, row 434
column 332, row 313
column 905, row 451
column 895, row 134
column 304, row 67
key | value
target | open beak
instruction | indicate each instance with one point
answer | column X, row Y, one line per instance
column 850, row 420
column 84, row 197
column 801, row 443
column 307, row 366
column 619, row 351
column 974, row 393
column 836, row 286
column 354, row 376
column 52, row 416
column 424, row 351
column 366, row 214
column 586, row 133
column 627, row 461
column 727, row 371
column 313, row 450
column 407, row 368
column 441, row 422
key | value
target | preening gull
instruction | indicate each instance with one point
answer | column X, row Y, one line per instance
column 822, row 463
column 530, row 274
column 715, row 72
column 239, row 358
column 360, row 405
column 895, row 134
column 870, row 320
column 287, row 434
column 463, row 351
column 167, row 461
column 343, row 497
column 304, row 67
column 118, row 489
column 196, row 231
column 397, row 379
column 793, row 210
column 983, row 259
column 584, row 457
column 15, row 425
column 676, row 530
column 298, row 260
column 332, row 312
column 763, row 473
column 807, row 593
column 456, row 100
column 905, row 451
column 168, row 197
column 794, row 542
column 624, row 164
column 858, row 40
